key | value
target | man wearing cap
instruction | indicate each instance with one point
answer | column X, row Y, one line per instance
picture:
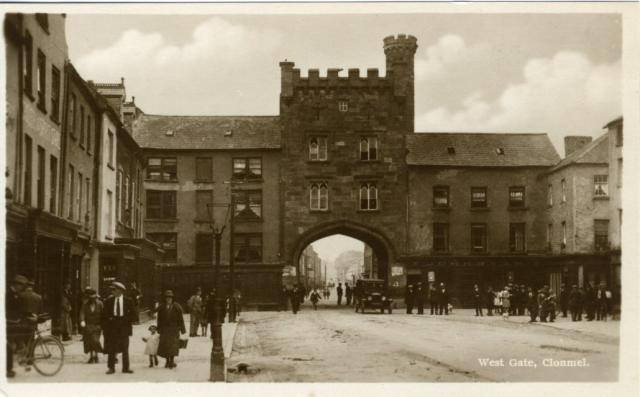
column 32, row 303
column 117, row 316
column 18, row 320
column 195, row 310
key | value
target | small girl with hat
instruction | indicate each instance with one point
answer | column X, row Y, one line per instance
column 151, row 347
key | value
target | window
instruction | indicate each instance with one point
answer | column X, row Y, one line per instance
column 601, row 234
column 88, row 201
column 601, row 185
column 161, row 204
column 247, row 247
column 204, row 169
column 619, row 172
column 478, row 197
column 516, row 237
column 28, row 64
column 109, row 212
column 563, row 189
column 40, row 177
column 368, row 148
column 81, row 126
column 79, row 199
column 479, row 237
column 53, row 171
column 247, row 204
column 28, row 169
column 125, row 200
column 549, row 235
column 70, row 193
column 89, row 132
column 204, row 248
column 440, row 237
column 619, row 135
column 563, row 243
column 204, row 199
column 550, row 195
column 247, row 168
column 368, row 196
column 318, row 148
column 343, row 106
column 118, row 195
column 111, row 148
column 41, row 79
column 168, row 243
column 55, row 94
column 516, row 196
column 319, row 197
column 162, row 169
column 441, row 196
column 72, row 117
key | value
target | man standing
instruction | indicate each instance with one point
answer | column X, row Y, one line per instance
column 33, row 306
column 477, row 300
column 433, row 299
column 117, row 317
column 489, row 300
column 419, row 298
column 348, row 293
column 136, row 296
column 339, row 291
column 443, row 301
column 542, row 297
column 66, row 310
column 564, row 300
column 532, row 305
column 16, row 317
column 408, row 298
column 575, row 304
column 523, row 300
column 195, row 310
column 294, row 296
column 284, row 296
column 590, row 302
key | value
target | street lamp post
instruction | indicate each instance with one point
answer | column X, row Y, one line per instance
column 218, row 367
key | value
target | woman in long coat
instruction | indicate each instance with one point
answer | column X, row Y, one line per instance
column 90, row 320
column 170, row 326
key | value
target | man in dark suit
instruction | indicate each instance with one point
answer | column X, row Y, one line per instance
column 117, row 316
column 419, row 294
column 443, row 301
column 32, row 305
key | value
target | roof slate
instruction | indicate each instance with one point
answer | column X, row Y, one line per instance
column 207, row 132
column 480, row 149
column 595, row 152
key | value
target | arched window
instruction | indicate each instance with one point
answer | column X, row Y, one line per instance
column 318, row 148
column 368, row 196
column 319, row 196
column 368, row 148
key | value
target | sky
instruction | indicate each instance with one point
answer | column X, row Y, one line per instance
column 553, row 73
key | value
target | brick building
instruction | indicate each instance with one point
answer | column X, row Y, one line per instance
column 193, row 163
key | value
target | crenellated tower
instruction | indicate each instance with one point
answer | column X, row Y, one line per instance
column 400, row 51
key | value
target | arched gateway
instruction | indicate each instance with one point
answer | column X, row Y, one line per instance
column 382, row 248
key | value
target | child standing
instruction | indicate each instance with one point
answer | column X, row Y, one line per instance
column 151, row 347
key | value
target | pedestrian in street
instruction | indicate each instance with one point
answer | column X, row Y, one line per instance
column 477, row 300
column 314, row 297
column 551, row 305
column 302, row 293
column 348, row 293
column 602, row 302
column 294, row 297
column 489, row 300
column 19, row 321
column 117, row 319
column 408, row 298
column 151, row 345
column 284, row 297
column 33, row 305
column 419, row 297
column 90, row 322
column 66, row 311
column 590, row 302
column 514, row 296
column 339, row 291
column 443, row 295
column 532, row 305
column 564, row 300
column 505, row 297
column 170, row 326
column 433, row 299
column 195, row 310
column 497, row 302
column 575, row 303
column 542, row 307
column 328, row 293
column 204, row 322
column 136, row 297
column 211, row 310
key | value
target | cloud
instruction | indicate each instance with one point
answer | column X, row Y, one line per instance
column 448, row 51
column 564, row 94
column 219, row 57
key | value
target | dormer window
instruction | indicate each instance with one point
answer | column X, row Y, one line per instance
column 500, row 151
column 451, row 150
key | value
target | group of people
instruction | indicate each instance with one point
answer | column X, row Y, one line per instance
column 543, row 304
column 437, row 296
column 347, row 292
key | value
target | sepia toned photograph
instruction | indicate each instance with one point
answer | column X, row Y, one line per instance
column 315, row 197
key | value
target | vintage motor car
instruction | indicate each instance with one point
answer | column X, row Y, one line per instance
column 372, row 294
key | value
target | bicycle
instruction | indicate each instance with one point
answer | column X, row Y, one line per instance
column 44, row 352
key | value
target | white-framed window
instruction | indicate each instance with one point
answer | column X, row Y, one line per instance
column 563, row 187
column 368, row 148
column 368, row 196
column 318, row 148
column 601, row 185
column 343, row 106
column 319, row 196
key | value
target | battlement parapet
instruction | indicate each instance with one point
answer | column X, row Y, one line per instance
column 291, row 78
